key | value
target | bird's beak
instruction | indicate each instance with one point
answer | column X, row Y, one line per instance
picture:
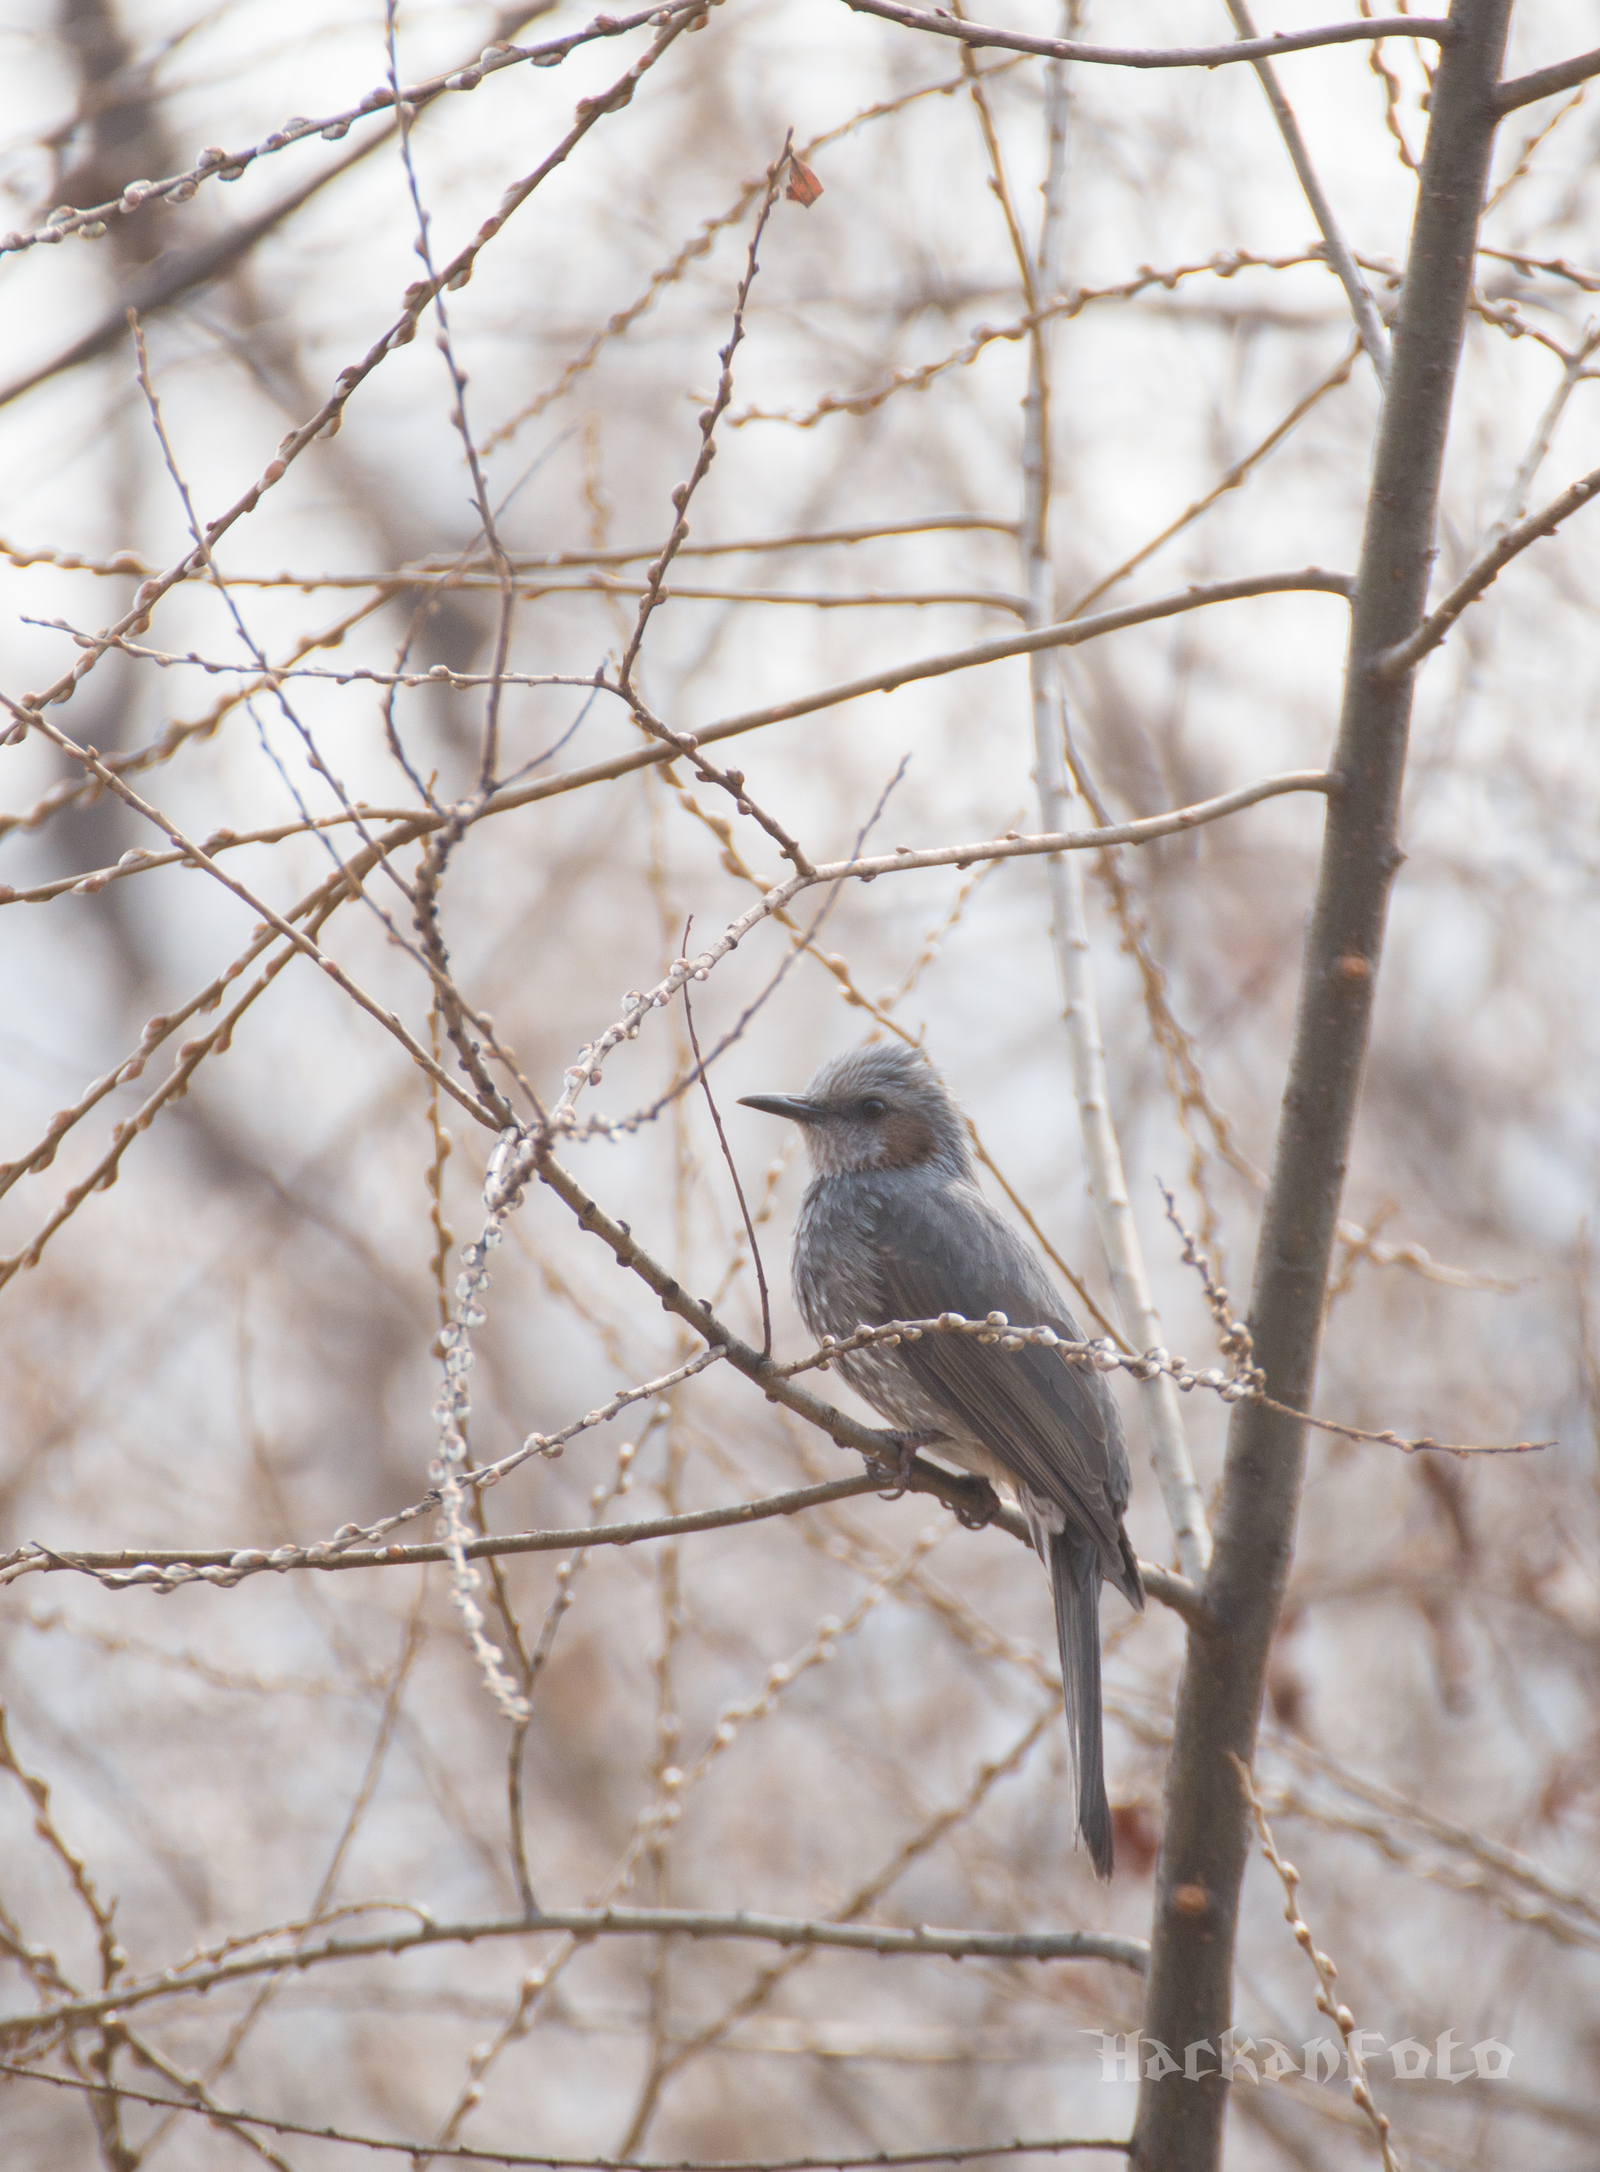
column 794, row 1106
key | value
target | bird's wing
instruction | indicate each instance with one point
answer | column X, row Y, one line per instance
column 1052, row 1424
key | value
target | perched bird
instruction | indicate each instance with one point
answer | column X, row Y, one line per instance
column 893, row 1227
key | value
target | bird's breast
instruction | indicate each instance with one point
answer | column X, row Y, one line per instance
column 835, row 1267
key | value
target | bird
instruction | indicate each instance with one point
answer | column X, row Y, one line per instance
column 893, row 1227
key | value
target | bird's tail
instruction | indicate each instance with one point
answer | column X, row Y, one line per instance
column 1075, row 1576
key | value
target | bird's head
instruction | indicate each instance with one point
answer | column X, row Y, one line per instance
column 876, row 1108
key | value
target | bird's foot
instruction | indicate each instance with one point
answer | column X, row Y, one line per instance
column 983, row 1508
column 894, row 1465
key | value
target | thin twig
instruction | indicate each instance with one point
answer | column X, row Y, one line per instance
column 1233, row 1336
column 179, row 188
column 1522, row 90
column 1328, row 2000
column 1152, row 1364
column 709, row 419
column 1193, row 56
column 733, row 1170
column 584, row 1924
column 1102, row 1152
column 462, row 2153
column 326, row 420
column 1362, row 307
column 1394, row 663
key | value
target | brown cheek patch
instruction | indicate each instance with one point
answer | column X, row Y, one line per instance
column 907, row 1140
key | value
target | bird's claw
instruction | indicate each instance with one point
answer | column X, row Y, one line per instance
column 904, row 1447
column 983, row 1513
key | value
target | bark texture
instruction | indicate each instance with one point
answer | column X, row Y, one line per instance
column 1206, row 1839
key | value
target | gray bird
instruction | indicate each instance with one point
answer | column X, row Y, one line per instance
column 893, row 1227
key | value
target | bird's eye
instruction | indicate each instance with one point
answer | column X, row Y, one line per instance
column 872, row 1106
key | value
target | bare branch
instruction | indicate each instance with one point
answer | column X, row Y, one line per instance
column 802, row 539
column 1243, row 1386
column 1313, row 580
column 343, row 1553
column 1143, row 832
column 1194, row 56
column 709, row 419
column 1070, row 634
column 1373, row 336
column 463, row 2153
column 1102, row 1153
column 972, row 1498
column 1574, row 371
column 1394, row 663
column 400, row 334
column 197, row 856
column 1205, row 1841
column 1328, row 2000
column 586, row 1923
column 658, row 1614
column 179, row 188
column 176, row 272
column 916, row 377
column 1522, row 90
column 733, row 1171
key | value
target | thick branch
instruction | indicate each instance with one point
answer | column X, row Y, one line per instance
column 1125, row 56
column 1207, row 1834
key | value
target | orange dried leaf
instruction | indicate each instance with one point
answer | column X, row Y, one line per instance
column 804, row 188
